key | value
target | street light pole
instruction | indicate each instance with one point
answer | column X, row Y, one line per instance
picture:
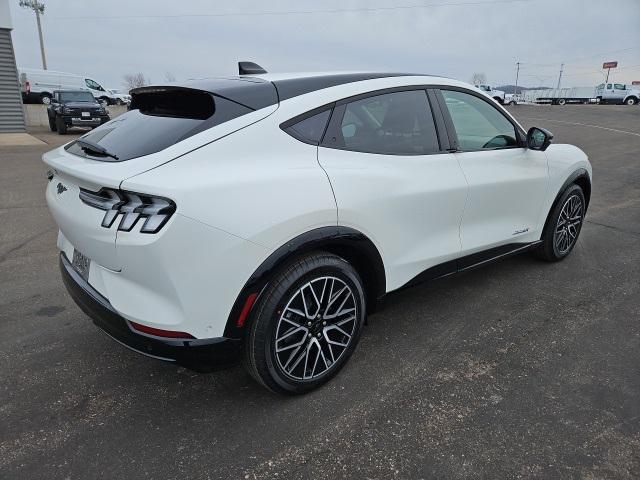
column 37, row 7
column 560, row 76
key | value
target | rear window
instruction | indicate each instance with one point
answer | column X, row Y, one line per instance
column 158, row 119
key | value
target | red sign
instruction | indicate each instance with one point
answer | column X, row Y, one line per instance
column 609, row 64
column 635, row 82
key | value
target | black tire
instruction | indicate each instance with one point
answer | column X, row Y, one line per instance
column 52, row 125
column 61, row 127
column 631, row 101
column 45, row 99
column 512, row 103
column 553, row 249
column 274, row 311
column 561, row 101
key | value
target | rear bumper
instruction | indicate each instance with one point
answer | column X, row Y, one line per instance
column 195, row 354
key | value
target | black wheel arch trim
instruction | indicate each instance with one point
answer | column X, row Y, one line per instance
column 579, row 177
column 346, row 242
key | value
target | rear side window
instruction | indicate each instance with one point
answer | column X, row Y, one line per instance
column 157, row 121
column 309, row 129
column 398, row 123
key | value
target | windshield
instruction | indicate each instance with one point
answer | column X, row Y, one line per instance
column 76, row 97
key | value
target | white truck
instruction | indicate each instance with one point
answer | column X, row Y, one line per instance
column 618, row 93
column 38, row 85
column 604, row 93
column 497, row 95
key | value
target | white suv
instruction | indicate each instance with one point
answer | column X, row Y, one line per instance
column 260, row 217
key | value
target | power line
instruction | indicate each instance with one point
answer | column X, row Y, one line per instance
column 295, row 12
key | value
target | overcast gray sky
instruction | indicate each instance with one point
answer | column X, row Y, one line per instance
column 197, row 38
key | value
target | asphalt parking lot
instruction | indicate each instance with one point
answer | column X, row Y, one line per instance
column 521, row 369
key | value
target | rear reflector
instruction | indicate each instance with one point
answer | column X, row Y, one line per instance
column 246, row 308
column 158, row 332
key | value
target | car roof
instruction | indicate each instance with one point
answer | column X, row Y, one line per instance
column 261, row 90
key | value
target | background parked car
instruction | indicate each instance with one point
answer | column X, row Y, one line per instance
column 497, row 95
column 122, row 97
column 74, row 108
column 39, row 85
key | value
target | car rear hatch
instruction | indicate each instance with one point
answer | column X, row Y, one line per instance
column 163, row 124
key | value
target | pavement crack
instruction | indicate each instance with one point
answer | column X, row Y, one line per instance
column 618, row 229
column 8, row 253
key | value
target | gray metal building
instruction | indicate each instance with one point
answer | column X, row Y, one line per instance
column 11, row 114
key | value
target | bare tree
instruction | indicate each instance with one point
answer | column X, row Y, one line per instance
column 478, row 78
column 169, row 77
column 134, row 80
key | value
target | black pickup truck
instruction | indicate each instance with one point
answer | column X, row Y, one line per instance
column 74, row 108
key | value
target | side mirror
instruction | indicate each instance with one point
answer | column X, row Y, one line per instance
column 539, row 138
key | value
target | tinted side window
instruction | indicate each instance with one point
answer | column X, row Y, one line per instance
column 478, row 124
column 397, row 123
column 310, row 129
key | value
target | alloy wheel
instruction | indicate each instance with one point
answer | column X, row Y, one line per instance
column 315, row 328
column 568, row 224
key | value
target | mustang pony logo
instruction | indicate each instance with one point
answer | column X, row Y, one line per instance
column 61, row 188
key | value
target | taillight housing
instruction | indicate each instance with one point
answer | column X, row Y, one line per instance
column 156, row 211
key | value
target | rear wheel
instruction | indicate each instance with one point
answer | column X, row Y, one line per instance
column 45, row 98
column 561, row 101
column 306, row 324
column 563, row 225
column 61, row 127
column 631, row 101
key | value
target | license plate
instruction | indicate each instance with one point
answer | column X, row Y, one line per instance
column 81, row 264
column 86, row 114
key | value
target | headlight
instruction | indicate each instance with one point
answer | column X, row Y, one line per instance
column 66, row 110
column 155, row 210
column 102, row 111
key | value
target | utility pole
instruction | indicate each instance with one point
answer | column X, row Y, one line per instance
column 37, row 7
column 517, row 75
column 560, row 76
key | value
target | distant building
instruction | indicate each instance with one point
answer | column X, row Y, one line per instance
column 11, row 114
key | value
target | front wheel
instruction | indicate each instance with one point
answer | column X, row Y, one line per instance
column 61, row 127
column 563, row 225
column 52, row 124
column 306, row 324
column 631, row 101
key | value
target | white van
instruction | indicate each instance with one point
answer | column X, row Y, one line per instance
column 38, row 85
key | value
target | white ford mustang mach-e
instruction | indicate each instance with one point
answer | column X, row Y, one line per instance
column 260, row 217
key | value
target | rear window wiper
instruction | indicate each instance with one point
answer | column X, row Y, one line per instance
column 89, row 146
